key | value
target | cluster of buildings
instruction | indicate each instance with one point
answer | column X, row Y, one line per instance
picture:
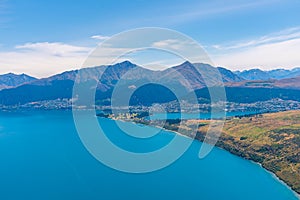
column 274, row 105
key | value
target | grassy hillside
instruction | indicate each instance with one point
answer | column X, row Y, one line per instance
column 270, row 139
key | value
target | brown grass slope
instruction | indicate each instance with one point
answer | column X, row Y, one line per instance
column 270, row 139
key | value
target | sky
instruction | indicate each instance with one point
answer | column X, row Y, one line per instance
column 42, row 38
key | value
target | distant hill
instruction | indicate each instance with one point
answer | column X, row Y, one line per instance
column 287, row 83
column 229, row 76
column 13, row 80
column 252, row 95
column 257, row 74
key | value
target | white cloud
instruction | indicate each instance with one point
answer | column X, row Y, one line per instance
column 43, row 59
column 279, row 49
column 100, row 37
column 283, row 54
column 183, row 48
column 284, row 35
column 171, row 43
column 56, row 48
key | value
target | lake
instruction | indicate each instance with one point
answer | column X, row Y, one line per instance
column 159, row 116
column 42, row 157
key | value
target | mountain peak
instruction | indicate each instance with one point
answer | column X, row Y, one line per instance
column 187, row 63
column 8, row 74
column 126, row 62
column 13, row 80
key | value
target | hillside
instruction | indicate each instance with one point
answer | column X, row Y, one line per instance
column 270, row 139
column 250, row 94
column 287, row 83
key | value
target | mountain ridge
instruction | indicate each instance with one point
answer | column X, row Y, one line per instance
column 182, row 78
column 258, row 74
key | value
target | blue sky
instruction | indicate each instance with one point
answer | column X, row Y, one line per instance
column 236, row 34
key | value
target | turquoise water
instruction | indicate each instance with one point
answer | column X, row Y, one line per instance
column 158, row 116
column 43, row 158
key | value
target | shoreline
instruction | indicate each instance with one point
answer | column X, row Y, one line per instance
column 277, row 178
column 257, row 163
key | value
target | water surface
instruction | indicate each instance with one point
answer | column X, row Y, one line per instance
column 42, row 157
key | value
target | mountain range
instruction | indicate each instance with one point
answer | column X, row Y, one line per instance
column 21, row 89
column 257, row 74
